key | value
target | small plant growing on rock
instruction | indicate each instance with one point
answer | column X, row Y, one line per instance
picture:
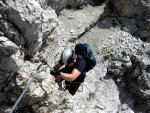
column 106, row 57
column 52, row 107
column 93, row 24
column 52, row 39
column 106, row 52
column 86, row 4
column 143, row 46
column 114, row 23
column 122, row 27
column 139, row 52
column 124, row 54
column 86, row 29
column 31, row 60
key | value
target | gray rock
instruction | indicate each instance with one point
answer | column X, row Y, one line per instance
column 32, row 21
column 2, row 7
column 11, row 32
column 134, row 9
column 7, row 48
column 129, row 25
column 101, row 93
column 1, row 33
column 141, row 85
column 60, row 4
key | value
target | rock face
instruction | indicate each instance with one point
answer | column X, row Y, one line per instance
column 138, row 10
column 24, row 28
column 34, row 24
column 30, row 30
column 60, row 4
column 134, row 75
column 7, row 64
column 139, row 81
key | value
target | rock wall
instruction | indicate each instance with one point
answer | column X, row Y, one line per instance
column 138, row 81
column 59, row 5
column 30, row 26
column 137, row 11
column 31, row 30
column 24, row 29
column 133, row 75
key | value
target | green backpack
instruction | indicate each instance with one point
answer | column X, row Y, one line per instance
column 84, row 50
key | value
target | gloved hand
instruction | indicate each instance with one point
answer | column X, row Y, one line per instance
column 55, row 72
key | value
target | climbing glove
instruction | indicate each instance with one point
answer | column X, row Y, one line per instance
column 55, row 72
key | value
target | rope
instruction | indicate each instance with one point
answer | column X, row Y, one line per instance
column 26, row 88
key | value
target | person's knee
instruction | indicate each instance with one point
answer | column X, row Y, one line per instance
column 73, row 88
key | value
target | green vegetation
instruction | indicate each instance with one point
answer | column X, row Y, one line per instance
column 93, row 24
column 106, row 57
column 139, row 52
column 96, row 22
column 52, row 39
column 99, row 18
column 114, row 23
column 52, row 107
column 105, row 50
column 31, row 60
column 122, row 27
column 86, row 29
column 86, row 4
column 143, row 46
column 106, row 53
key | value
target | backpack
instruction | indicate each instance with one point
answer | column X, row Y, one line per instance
column 86, row 52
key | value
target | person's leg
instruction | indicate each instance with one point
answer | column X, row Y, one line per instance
column 73, row 86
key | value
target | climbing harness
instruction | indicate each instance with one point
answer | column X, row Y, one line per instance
column 81, row 86
column 38, row 70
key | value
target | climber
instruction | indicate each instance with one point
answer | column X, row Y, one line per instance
column 74, row 71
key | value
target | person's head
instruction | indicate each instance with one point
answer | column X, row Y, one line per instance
column 68, row 56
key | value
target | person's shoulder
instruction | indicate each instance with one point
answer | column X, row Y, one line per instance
column 80, row 57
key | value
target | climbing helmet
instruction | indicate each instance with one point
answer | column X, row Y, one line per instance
column 68, row 56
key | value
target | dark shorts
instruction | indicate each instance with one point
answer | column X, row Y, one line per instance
column 73, row 86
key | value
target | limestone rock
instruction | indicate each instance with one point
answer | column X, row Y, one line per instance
column 7, row 48
column 11, row 32
column 140, row 88
column 60, row 4
column 43, row 34
column 32, row 21
column 134, row 9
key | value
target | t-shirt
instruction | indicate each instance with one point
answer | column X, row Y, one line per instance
column 80, row 65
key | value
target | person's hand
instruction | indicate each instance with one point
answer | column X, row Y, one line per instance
column 55, row 72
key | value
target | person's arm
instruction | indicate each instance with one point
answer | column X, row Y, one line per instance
column 57, row 78
column 58, row 66
column 70, row 77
